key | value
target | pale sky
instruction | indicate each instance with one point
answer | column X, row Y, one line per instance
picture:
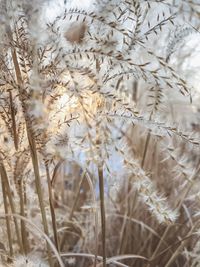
column 54, row 7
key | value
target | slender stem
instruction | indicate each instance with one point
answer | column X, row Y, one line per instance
column 33, row 150
column 103, row 217
column 124, row 224
column 39, row 188
column 145, row 149
column 73, row 207
column 53, row 216
column 91, row 186
column 4, row 177
column 14, row 128
column 22, row 213
column 146, row 143
column 76, row 197
column 7, row 219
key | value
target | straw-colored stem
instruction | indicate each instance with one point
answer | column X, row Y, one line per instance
column 73, row 207
column 22, row 213
column 14, row 128
column 145, row 149
column 8, row 227
column 33, row 150
column 103, row 217
column 4, row 178
column 53, row 216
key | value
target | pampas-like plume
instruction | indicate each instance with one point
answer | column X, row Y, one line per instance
column 157, row 204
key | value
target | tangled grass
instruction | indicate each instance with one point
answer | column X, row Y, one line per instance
column 99, row 150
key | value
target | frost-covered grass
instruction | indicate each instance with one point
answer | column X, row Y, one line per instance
column 99, row 137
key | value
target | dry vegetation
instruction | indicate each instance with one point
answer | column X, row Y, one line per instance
column 99, row 134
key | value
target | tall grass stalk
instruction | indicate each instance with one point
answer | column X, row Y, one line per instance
column 8, row 192
column 103, row 212
column 51, row 203
column 33, row 151
column 8, row 222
